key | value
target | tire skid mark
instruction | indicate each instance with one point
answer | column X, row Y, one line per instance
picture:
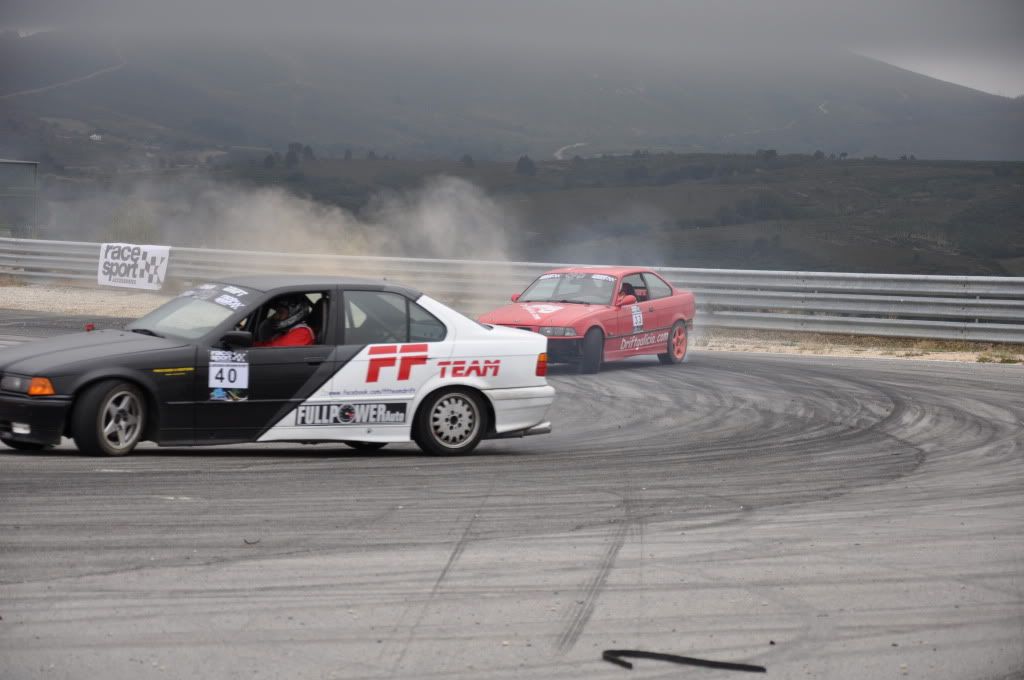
column 453, row 557
column 583, row 609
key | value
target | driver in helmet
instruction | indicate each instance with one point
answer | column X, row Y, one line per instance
column 287, row 327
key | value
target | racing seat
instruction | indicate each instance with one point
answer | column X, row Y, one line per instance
column 315, row 319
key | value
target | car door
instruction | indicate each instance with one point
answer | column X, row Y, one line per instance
column 241, row 392
column 633, row 321
column 390, row 348
column 659, row 301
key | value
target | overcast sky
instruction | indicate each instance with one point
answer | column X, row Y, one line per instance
column 972, row 42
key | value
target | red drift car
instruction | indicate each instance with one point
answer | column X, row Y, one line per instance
column 596, row 314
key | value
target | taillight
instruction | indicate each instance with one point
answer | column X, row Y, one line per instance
column 542, row 364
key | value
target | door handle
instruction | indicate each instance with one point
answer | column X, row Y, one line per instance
column 651, row 308
column 314, row 361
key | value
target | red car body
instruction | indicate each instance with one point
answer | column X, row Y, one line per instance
column 632, row 310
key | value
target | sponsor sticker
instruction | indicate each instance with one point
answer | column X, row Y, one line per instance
column 229, row 301
column 644, row 340
column 401, row 357
column 549, row 276
column 603, row 277
column 381, row 392
column 540, row 311
column 227, row 296
column 463, row 368
column 221, row 394
column 350, row 414
column 126, row 265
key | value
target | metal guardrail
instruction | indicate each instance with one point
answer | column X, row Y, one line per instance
column 979, row 308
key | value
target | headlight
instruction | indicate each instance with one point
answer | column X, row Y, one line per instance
column 36, row 387
column 14, row 383
column 556, row 331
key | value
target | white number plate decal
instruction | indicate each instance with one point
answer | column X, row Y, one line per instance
column 638, row 318
column 229, row 376
column 229, row 370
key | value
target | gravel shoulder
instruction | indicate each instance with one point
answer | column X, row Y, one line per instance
column 76, row 301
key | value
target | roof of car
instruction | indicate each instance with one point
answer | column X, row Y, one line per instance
column 271, row 282
column 600, row 269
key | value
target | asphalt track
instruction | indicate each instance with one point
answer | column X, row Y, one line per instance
column 825, row 518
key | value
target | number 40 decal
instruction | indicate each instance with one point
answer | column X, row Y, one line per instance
column 229, row 370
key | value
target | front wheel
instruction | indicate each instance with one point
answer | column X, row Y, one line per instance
column 109, row 418
column 365, row 446
column 593, row 351
column 450, row 422
column 678, row 343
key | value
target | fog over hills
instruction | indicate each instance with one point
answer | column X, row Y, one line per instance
column 495, row 100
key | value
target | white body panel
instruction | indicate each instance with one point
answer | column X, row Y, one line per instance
column 374, row 397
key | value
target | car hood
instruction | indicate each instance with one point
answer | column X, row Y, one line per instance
column 49, row 356
column 542, row 314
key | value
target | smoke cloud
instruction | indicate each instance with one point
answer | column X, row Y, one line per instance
column 446, row 218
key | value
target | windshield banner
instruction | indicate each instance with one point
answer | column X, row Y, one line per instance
column 126, row 265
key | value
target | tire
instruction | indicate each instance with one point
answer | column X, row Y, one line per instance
column 109, row 418
column 678, row 344
column 365, row 446
column 450, row 422
column 593, row 351
column 25, row 446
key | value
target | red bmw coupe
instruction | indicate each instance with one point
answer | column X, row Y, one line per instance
column 595, row 314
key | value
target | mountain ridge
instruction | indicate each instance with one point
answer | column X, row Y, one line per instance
column 429, row 101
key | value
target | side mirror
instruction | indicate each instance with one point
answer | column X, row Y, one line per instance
column 515, row 297
column 237, row 339
column 626, row 300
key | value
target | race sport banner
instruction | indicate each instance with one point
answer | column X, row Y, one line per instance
column 131, row 266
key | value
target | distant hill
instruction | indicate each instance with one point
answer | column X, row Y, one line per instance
column 423, row 101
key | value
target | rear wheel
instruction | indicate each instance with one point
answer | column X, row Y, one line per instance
column 365, row 446
column 450, row 422
column 109, row 418
column 678, row 343
column 593, row 351
column 24, row 446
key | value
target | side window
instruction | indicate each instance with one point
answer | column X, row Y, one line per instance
column 273, row 321
column 656, row 286
column 375, row 317
column 424, row 326
column 634, row 285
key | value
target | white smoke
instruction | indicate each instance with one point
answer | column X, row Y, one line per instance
column 446, row 218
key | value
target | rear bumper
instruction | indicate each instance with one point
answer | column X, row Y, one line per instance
column 543, row 428
column 39, row 420
column 519, row 410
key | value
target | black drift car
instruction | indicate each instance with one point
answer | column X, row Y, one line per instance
column 387, row 364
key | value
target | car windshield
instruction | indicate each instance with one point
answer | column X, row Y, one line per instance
column 194, row 313
column 579, row 287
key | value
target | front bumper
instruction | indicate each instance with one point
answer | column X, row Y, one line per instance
column 520, row 409
column 561, row 350
column 565, row 350
column 38, row 420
